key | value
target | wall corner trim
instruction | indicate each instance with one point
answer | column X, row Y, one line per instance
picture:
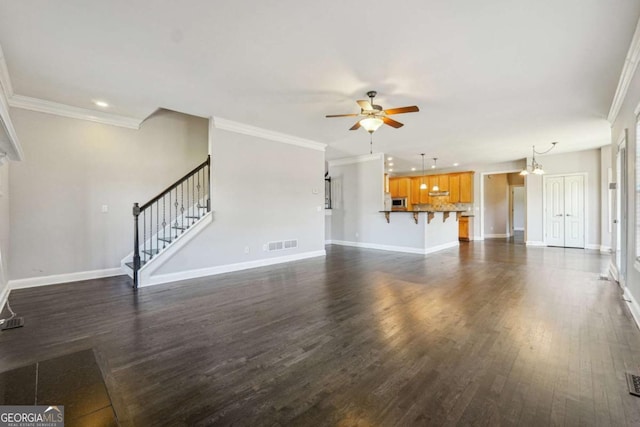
column 356, row 159
column 63, row 278
column 6, row 92
column 628, row 70
column 634, row 308
column 4, row 297
column 49, row 107
column 237, row 127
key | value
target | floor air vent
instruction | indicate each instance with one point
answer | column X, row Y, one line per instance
column 284, row 244
column 16, row 322
column 633, row 382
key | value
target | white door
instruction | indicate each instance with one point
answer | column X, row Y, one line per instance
column 574, row 211
column 564, row 201
column 554, row 194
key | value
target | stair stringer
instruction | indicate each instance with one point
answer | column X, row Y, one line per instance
column 166, row 254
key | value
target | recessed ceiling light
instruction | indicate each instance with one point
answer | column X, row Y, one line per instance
column 389, row 158
column 390, row 164
column 101, row 104
column 413, row 169
column 456, row 164
column 390, row 170
column 433, row 166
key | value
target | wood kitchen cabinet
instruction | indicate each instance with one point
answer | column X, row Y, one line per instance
column 465, row 228
column 400, row 187
column 466, row 187
column 454, row 188
column 418, row 196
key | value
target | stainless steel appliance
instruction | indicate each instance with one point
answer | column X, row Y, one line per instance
column 399, row 204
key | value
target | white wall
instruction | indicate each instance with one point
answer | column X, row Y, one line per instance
column 588, row 162
column 358, row 196
column 496, row 205
column 626, row 119
column 262, row 191
column 73, row 167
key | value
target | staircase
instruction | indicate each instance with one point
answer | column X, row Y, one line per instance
column 160, row 222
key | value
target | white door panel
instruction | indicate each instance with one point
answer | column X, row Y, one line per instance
column 574, row 211
column 564, row 215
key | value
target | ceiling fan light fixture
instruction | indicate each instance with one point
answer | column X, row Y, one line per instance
column 371, row 124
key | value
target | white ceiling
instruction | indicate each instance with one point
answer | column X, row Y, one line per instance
column 491, row 78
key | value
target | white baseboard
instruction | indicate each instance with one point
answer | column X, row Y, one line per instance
column 63, row 278
column 592, row 247
column 4, row 296
column 220, row 269
column 613, row 270
column 633, row 306
column 535, row 243
column 328, row 242
column 518, row 228
column 495, row 236
column 605, row 249
column 391, row 248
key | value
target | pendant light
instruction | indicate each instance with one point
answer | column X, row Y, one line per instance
column 423, row 186
column 536, row 168
column 435, row 190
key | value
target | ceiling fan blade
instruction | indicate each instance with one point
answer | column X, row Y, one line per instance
column 341, row 115
column 356, row 126
column 401, row 110
column 365, row 105
column 392, row 122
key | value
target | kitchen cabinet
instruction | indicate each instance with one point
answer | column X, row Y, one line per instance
column 454, row 188
column 465, row 228
column 400, row 187
column 466, row 187
column 418, row 196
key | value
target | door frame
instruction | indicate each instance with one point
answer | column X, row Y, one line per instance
column 585, row 185
column 621, row 217
column 481, row 216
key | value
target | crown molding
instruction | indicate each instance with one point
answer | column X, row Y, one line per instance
column 231, row 126
column 356, row 159
column 49, row 107
column 628, row 70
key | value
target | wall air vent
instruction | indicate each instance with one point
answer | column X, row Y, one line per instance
column 281, row 245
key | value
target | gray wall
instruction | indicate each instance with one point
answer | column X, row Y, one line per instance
column 262, row 191
column 73, row 167
column 576, row 162
column 496, row 205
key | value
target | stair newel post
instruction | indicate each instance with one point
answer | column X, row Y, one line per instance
column 136, row 245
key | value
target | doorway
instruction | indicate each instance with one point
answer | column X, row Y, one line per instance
column 517, row 210
column 564, row 210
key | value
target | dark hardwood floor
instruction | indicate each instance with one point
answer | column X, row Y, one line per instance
column 490, row 333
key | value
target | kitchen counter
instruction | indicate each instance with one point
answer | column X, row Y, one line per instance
column 430, row 214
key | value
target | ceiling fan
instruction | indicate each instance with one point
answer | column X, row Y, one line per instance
column 374, row 116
